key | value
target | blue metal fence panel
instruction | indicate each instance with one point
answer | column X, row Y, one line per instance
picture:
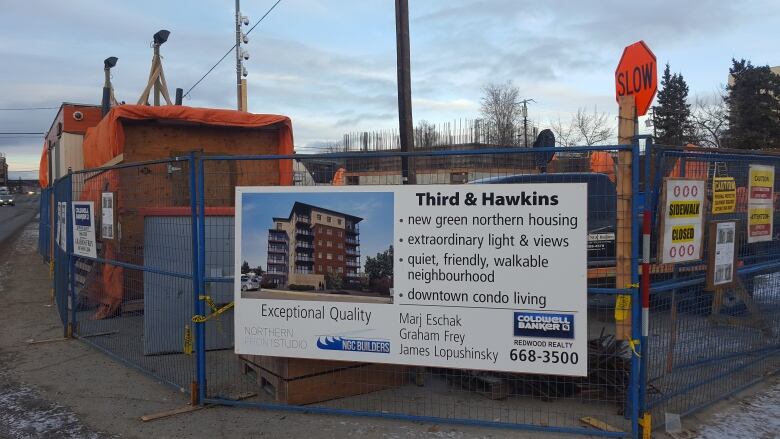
column 44, row 226
column 706, row 344
column 690, row 358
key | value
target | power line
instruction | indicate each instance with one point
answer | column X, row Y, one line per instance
column 231, row 49
column 29, row 108
column 21, row 134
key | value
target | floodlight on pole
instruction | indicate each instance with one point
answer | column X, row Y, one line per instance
column 161, row 37
column 110, row 62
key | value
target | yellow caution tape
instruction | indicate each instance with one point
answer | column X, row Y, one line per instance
column 187, row 340
column 632, row 344
column 215, row 311
column 647, row 426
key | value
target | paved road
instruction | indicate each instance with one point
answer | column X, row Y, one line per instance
column 13, row 218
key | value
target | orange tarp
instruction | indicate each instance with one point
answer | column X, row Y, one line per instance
column 43, row 168
column 107, row 139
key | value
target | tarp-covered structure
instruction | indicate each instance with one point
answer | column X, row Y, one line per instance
column 133, row 133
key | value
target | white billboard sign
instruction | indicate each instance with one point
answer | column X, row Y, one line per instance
column 489, row 277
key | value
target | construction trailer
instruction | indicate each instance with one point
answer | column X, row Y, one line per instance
column 63, row 141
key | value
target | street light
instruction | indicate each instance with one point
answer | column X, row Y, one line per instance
column 105, row 103
column 161, row 37
column 110, row 62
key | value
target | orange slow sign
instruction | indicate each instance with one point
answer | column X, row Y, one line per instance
column 636, row 75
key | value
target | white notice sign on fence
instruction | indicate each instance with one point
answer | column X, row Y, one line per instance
column 84, row 229
column 682, row 217
column 489, row 277
column 62, row 224
column 107, row 215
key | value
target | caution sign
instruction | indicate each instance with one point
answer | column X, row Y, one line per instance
column 761, row 187
column 760, row 222
column 762, row 183
column 682, row 218
column 724, row 195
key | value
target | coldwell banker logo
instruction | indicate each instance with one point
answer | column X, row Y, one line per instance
column 536, row 324
column 329, row 343
column 82, row 215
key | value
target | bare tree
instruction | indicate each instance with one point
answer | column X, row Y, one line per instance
column 424, row 134
column 709, row 116
column 565, row 134
column 593, row 128
column 501, row 108
column 584, row 128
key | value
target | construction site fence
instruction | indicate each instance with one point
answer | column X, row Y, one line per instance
column 708, row 343
column 44, row 224
column 158, row 294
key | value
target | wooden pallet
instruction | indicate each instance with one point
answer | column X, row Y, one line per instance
column 324, row 386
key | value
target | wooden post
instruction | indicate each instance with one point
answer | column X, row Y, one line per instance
column 244, row 103
column 626, row 131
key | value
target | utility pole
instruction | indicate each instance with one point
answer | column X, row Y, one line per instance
column 525, row 120
column 239, row 88
column 405, row 122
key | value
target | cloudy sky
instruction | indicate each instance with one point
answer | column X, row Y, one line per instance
column 330, row 65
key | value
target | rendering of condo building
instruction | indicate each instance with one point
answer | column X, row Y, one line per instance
column 311, row 242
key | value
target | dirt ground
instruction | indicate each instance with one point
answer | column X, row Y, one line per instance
column 65, row 389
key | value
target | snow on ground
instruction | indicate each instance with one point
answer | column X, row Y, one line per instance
column 757, row 417
column 24, row 414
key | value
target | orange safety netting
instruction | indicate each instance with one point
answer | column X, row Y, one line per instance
column 338, row 177
column 602, row 163
column 107, row 139
column 694, row 169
